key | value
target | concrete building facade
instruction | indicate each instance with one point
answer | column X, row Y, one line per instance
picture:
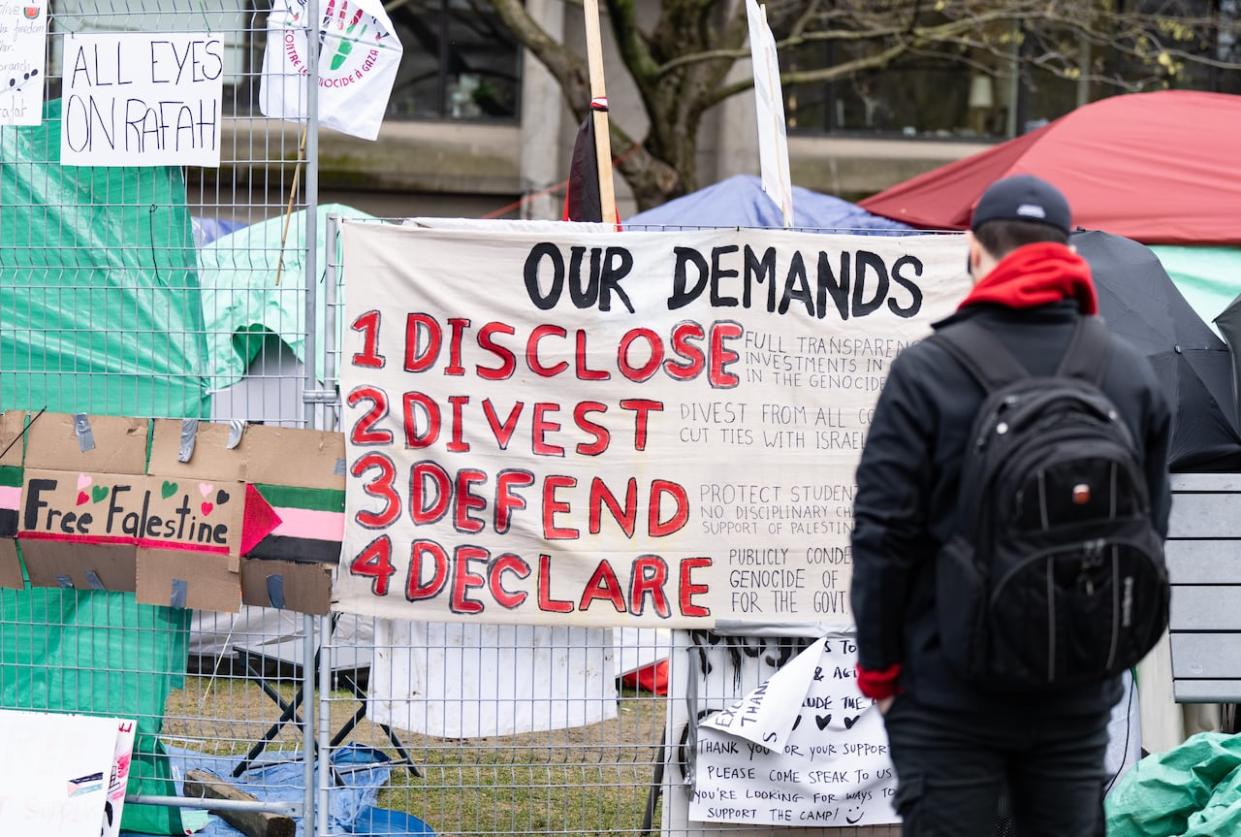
column 478, row 128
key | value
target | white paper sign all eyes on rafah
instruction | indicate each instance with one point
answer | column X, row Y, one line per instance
column 142, row 99
column 616, row 429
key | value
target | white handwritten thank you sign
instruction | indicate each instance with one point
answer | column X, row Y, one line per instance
column 142, row 99
column 826, row 759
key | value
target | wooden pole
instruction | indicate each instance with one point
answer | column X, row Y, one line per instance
column 203, row 785
column 288, row 212
column 599, row 94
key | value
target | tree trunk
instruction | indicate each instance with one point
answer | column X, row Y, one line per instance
column 669, row 168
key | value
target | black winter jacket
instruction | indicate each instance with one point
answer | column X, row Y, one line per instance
column 906, row 501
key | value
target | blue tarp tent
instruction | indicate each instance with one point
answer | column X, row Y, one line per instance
column 740, row 201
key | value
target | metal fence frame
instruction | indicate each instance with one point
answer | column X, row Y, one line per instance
column 258, row 178
column 616, row 769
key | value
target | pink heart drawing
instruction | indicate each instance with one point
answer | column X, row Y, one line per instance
column 84, row 480
column 207, row 508
column 205, row 488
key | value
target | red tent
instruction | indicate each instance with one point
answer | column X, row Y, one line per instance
column 1161, row 168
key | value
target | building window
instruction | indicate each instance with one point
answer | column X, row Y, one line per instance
column 460, row 62
column 975, row 96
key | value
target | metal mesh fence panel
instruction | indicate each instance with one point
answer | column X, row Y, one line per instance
column 521, row 730
column 201, row 293
column 123, row 292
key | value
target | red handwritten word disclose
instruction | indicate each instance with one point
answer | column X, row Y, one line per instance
column 690, row 350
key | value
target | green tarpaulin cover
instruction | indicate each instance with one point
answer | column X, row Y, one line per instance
column 242, row 301
column 100, row 312
column 1191, row 791
column 1208, row 277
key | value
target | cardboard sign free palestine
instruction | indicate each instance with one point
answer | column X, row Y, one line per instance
column 147, row 511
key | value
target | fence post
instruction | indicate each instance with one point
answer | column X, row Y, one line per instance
column 330, row 349
column 310, row 754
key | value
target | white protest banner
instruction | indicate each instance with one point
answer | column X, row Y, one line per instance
column 482, row 681
column 629, row 429
column 773, row 140
column 834, row 770
column 767, row 715
column 23, row 47
column 359, row 54
column 142, row 99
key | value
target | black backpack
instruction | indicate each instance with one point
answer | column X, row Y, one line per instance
column 1057, row 576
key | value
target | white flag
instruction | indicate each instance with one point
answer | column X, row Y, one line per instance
column 359, row 54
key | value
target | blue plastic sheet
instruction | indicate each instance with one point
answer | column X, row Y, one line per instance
column 740, row 201
column 278, row 777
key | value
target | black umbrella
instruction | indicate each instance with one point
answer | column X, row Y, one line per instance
column 1229, row 323
column 1141, row 305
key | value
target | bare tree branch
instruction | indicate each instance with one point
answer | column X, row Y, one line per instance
column 633, row 46
column 566, row 66
column 826, row 74
column 681, row 62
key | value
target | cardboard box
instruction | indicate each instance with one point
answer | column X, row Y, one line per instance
column 11, row 425
column 10, row 566
column 102, row 444
column 167, row 508
column 178, row 579
column 305, row 588
column 83, row 567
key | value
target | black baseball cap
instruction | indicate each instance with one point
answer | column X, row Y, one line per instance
column 1023, row 197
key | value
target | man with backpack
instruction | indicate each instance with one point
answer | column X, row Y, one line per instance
column 1011, row 505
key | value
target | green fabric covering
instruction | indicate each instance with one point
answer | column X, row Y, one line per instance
column 99, row 299
column 242, row 302
column 1208, row 277
column 111, row 656
column 100, row 312
column 1191, row 791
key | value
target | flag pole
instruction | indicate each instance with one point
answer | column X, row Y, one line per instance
column 599, row 111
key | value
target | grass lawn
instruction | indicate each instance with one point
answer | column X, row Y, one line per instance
column 587, row 780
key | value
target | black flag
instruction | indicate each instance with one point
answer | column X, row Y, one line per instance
column 581, row 199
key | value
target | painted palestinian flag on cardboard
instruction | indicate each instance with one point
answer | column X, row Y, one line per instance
column 10, row 494
column 299, row 476
column 312, row 522
column 11, row 425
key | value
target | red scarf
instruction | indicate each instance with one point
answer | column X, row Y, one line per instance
column 1037, row 274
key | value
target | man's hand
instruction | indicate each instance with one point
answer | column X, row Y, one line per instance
column 885, row 704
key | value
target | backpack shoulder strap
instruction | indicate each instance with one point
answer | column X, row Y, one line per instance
column 983, row 354
column 1089, row 352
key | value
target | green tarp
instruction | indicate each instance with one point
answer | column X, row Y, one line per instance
column 242, row 302
column 100, row 312
column 1208, row 277
column 1191, row 791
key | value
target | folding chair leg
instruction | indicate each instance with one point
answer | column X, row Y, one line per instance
column 657, row 787
column 349, row 726
column 400, row 749
column 352, row 685
column 289, row 714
